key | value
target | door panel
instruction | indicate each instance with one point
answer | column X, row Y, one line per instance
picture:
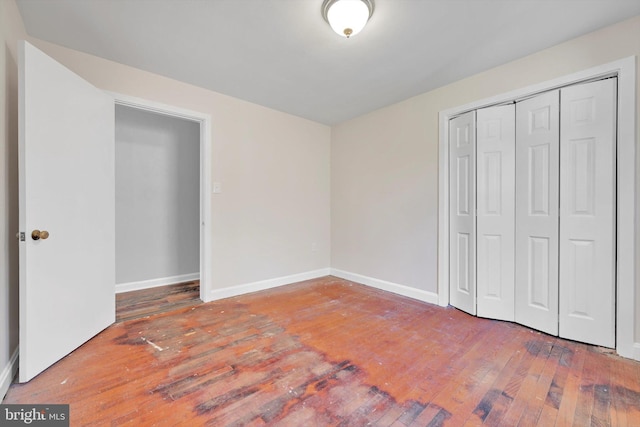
column 539, row 275
column 66, row 174
column 537, row 192
column 462, row 196
column 587, row 212
column 496, row 211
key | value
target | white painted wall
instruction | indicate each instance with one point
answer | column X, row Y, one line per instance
column 273, row 167
column 157, row 196
column 384, row 210
column 384, row 165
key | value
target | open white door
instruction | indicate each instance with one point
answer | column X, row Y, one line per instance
column 462, row 211
column 66, row 173
column 537, row 189
column 587, row 212
column 496, row 152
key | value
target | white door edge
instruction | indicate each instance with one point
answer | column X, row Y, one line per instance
column 627, row 270
column 206, row 245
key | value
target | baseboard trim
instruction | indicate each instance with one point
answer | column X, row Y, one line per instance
column 407, row 291
column 233, row 291
column 8, row 374
column 636, row 351
column 163, row 281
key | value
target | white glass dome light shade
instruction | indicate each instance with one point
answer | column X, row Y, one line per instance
column 348, row 17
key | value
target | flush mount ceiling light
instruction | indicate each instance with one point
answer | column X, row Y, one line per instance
column 347, row 17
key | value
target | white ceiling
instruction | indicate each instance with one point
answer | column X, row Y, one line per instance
column 283, row 55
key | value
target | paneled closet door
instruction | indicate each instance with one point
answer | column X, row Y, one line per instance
column 537, row 188
column 496, row 137
column 462, row 220
column 587, row 212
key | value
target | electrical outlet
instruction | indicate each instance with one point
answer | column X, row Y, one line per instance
column 314, row 247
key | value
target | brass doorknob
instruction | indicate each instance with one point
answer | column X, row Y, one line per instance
column 37, row 234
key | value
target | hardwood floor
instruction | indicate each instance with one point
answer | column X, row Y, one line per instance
column 147, row 302
column 332, row 352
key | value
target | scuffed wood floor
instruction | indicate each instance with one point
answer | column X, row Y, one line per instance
column 147, row 302
column 331, row 352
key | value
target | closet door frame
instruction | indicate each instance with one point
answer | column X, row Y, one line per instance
column 206, row 189
column 625, row 70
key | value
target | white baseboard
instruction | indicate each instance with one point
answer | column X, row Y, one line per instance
column 407, row 291
column 163, row 281
column 8, row 373
column 233, row 291
column 636, row 351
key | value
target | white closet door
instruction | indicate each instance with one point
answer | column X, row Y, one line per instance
column 537, row 187
column 587, row 212
column 462, row 196
column 496, row 135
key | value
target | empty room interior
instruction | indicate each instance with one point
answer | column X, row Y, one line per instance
column 265, row 212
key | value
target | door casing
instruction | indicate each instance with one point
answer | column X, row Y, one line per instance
column 205, row 176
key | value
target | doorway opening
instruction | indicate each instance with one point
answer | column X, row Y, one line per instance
column 162, row 204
